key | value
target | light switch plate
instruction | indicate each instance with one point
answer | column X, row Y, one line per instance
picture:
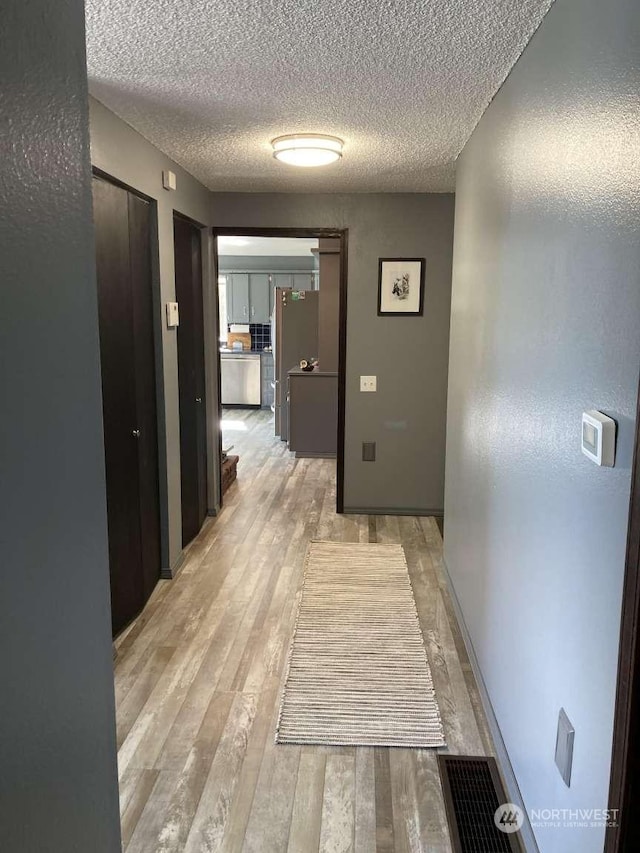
column 564, row 746
column 169, row 181
column 368, row 383
column 173, row 317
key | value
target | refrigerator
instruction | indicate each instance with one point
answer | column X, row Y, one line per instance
column 294, row 336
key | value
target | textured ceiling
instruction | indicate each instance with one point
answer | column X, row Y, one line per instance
column 211, row 82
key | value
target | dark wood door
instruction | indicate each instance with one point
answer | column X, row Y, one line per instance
column 191, row 377
column 122, row 230
column 145, row 377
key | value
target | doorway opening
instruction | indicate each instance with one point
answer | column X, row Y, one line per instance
column 187, row 237
column 281, row 353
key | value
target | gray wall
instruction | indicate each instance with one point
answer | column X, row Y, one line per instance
column 545, row 324
column 58, row 785
column 121, row 152
column 406, row 417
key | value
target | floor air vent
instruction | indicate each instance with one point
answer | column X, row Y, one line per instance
column 473, row 791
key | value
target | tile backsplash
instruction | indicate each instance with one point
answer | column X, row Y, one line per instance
column 260, row 335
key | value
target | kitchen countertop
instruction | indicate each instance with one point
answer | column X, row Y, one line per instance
column 298, row 371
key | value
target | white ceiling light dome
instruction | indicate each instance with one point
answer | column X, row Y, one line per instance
column 307, row 149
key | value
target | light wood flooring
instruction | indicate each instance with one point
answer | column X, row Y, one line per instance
column 198, row 680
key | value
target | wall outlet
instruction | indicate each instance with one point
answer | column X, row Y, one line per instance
column 368, row 451
column 564, row 746
column 368, row 383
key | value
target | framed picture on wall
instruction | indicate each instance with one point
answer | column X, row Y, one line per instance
column 401, row 286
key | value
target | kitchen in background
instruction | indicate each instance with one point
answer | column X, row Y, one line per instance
column 251, row 270
column 279, row 319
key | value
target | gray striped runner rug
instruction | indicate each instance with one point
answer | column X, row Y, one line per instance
column 357, row 672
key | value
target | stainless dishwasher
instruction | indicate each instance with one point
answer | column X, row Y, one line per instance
column 240, row 380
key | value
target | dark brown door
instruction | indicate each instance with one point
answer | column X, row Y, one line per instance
column 191, row 379
column 122, row 229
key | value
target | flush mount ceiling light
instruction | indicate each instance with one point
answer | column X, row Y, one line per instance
column 307, row 149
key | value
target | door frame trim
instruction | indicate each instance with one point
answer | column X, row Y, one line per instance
column 625, row 763
column 100, row 173
column 212, row 380
column 189, row 219
column 320, row 233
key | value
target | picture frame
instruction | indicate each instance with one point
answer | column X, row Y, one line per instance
column 401, row 287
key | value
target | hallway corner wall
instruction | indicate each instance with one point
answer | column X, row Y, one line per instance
column 545, row 324
column 58, row 786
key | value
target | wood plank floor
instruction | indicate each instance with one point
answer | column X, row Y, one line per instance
column 198, row 679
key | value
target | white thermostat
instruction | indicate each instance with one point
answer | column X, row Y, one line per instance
column 599, row 438
column 173, row 318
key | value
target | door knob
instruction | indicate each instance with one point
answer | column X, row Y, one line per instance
column 135, row 433
column 198, row 399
